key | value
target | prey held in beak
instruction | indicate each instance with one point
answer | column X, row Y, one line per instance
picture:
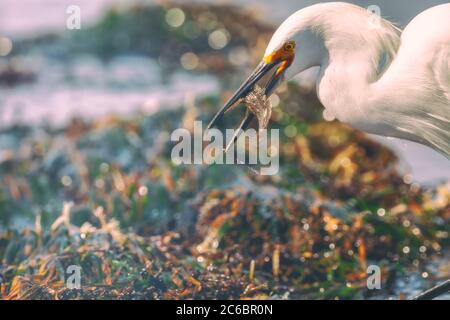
column 275, row 63
column 247, row 87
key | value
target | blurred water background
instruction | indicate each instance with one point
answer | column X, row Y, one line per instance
column 89, row 88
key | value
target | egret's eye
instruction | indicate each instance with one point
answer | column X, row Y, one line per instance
column 289, row 46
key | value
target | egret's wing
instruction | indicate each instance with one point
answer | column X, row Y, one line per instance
column 441, row 118
column 424, row 59
column 442, row 71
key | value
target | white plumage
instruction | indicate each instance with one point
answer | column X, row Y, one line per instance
column 372, row 76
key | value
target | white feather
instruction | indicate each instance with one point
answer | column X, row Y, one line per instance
column 372, row 78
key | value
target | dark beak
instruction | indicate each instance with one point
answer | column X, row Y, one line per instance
column 262, row 70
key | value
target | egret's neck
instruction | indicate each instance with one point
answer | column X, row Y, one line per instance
column 349, row 72
column 344, row 83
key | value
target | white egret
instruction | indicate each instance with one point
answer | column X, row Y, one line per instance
column 372, row 76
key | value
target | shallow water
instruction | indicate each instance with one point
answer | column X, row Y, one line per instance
column 414, row 283
column 89, row 88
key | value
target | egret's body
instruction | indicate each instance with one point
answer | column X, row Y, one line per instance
column 372, row 76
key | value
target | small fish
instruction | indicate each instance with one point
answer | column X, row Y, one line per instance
column 258, row 104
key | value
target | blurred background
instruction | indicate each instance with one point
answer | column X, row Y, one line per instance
column 86, row 176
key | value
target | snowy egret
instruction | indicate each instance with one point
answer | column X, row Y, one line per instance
column 372, row 76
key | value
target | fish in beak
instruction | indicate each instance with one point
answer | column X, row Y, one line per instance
column 275, row 63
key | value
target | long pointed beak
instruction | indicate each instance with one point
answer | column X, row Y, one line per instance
column 262, row 69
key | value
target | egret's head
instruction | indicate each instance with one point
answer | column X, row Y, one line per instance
column 282, row 59
column 296, row 46
column 272, row 67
